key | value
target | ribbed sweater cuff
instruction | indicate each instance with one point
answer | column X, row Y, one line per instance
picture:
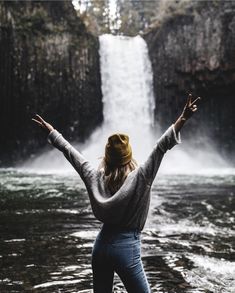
column 177, row 136
column 53, row 136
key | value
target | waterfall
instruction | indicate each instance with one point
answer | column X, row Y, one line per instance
column 128, row 103
column 126, row 84
column 128, row 107
column 128, row 100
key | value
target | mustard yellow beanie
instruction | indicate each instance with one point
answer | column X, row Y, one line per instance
column 118, row 151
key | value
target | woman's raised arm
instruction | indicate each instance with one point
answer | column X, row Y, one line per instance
column 77, row 160
column 168, row 140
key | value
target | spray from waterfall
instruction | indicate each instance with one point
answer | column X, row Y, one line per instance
column 128, row 100
column 128, row 107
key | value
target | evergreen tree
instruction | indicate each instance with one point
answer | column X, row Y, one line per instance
column 127, row 17
column 96, row 15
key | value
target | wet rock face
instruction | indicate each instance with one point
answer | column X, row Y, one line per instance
column 49, row 65
column 194, row 51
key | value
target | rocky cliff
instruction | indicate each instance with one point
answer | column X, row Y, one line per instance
column 49, row 64
column 193, row 50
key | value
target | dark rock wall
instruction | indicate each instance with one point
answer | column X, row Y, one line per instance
column 49, row 64
column 194, row 51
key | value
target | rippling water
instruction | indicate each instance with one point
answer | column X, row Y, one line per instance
column 47, row 232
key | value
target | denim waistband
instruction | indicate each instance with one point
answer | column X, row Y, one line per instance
column 118, row 232
column 116, row 228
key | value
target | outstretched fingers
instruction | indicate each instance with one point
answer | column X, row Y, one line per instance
column 190, row 107
column 197, row 99
column 41, row 120
column 189, row 100
column 38, row 122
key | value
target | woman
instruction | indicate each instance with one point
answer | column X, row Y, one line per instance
column 119, row 193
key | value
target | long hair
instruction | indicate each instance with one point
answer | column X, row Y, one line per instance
column 114, row 177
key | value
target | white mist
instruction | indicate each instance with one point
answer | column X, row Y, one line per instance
column 128, row 107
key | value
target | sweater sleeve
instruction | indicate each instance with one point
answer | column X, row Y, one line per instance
column 77, row 160
column 167, row 141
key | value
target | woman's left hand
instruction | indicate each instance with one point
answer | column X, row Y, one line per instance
column 42, row 123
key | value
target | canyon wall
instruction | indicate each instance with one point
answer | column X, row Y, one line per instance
column 49, row 64
column 193, row 50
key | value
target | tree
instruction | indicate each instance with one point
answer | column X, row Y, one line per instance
column 128, row 17
column 96, row 15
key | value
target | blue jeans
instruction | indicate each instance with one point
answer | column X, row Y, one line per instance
column 118, row 251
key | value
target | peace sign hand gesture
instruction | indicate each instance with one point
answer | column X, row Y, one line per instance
column 189, row 108
column 42, row 123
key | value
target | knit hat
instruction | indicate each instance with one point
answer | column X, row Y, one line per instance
column 118, row 151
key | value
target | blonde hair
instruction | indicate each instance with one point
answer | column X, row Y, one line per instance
column 115, row 176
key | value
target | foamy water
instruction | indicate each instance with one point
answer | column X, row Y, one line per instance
column 128, row 106
column 48, row 230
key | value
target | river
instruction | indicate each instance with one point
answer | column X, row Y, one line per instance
column 47, row 232
column 46, row 224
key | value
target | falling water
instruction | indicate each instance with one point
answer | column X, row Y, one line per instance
column 128, row 106
column 47, row 224
column 128, row 102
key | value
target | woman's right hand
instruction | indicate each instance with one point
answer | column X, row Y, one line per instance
column 190, row 107
column 43, row 124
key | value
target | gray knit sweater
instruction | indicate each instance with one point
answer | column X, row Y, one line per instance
column 128, row 207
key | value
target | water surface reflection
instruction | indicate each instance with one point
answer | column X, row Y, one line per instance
column 47, row 233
